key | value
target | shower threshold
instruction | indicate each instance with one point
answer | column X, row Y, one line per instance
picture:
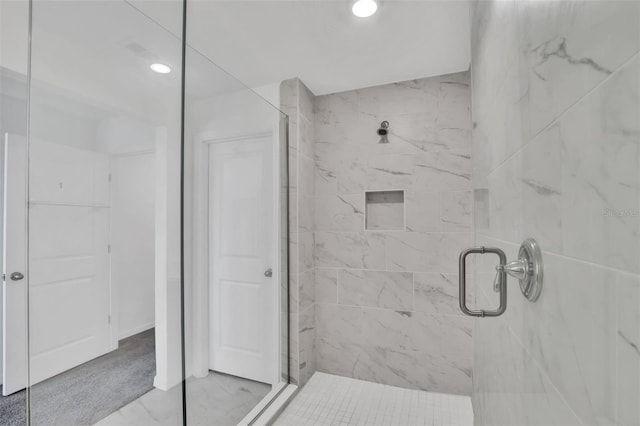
column 335, row 400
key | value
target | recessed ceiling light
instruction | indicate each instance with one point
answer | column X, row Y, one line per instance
column 160, row 68
column 364, row 8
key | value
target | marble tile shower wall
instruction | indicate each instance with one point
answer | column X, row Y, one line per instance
column 297, row 102
column 386, row 301
column 556, row 140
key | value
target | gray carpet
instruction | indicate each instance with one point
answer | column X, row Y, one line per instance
column 13, row 409
column 91, row 391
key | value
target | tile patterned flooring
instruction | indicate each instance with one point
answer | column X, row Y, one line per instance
column 335, row 400
column 217, row 399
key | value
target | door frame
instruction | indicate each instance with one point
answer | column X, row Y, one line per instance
column 201, row 251
column 15, row 353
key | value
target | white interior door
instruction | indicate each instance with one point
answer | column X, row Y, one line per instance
column 69, row 289
column 242, row 301
column 14, row 291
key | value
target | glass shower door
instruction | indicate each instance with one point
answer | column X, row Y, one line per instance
column 127, row 310
column 236, row 299
column 103, row 194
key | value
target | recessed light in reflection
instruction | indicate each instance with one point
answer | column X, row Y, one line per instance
column 160, row 68
column 364, row 8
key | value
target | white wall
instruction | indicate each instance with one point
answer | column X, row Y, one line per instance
column 167, row 296
column 133, row 241
column 131, row 143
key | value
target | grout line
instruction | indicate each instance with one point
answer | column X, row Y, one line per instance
column 570, row 258
column 570, row 108
column 377, row 308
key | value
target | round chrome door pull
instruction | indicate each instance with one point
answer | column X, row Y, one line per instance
column 16, row 276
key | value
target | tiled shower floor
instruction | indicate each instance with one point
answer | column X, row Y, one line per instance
column 335, row 400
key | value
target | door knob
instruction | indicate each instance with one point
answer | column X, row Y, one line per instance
column 16, row 276
column 268, row 273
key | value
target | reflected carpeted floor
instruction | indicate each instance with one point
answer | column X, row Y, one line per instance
column 91, row 391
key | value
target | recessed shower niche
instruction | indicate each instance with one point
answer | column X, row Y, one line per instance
column 384, row 210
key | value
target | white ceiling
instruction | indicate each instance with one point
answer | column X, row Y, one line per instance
column 262, row 42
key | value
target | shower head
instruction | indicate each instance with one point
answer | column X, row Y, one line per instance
column 383, row 131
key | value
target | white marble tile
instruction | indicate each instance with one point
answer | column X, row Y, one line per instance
column 553, row 361
column 539, row 170
column 305, row 214
column 442, row 171
column 338, row 323
column 395, row 347
column 350, row 250
column 294, row 348
column 414, row 133
column 382, row 289
column 306, row 100
column 425, row 252
column 600, row 181
column 306, row 247
column 326, row 156
column 525, row 194
column 306, row 176
column 401, row 330
column 408, row 97
column 339, row 213
column 457, row 211
column 293, row 210
column 306, row 288
column 413, row 370
column 437, row 293
column 423, row 211
column 306, row 135
column 571, row 330
column 307, row 350
column 153, row 408
column 214, row 399
column 374, row 172
column 456, row 340
column 454, row 103
column 292, row 165
column 429, row 145
column 573, row 46
column 297, row 101
column 326, row 285
column 628, row 351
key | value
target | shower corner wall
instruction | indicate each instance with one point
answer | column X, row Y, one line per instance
column 556, row 130
column 385, row 300
column 297, row 102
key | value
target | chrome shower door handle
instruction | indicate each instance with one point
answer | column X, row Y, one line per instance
column 501, row 283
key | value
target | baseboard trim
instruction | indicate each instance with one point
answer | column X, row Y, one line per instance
column 136, row 330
